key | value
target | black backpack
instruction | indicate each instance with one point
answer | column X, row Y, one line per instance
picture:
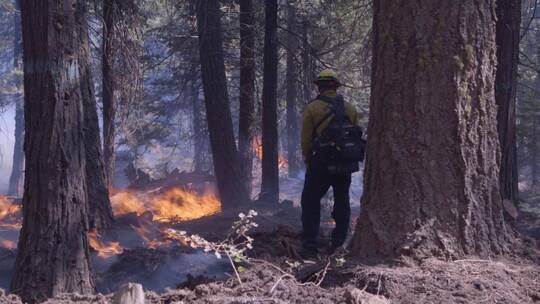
column 340, row 146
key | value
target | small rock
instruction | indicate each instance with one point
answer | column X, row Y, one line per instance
column 478, row 285
column 357, row 296
column 129, row 293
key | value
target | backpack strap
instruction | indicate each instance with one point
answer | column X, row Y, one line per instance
column 340, row 116
column 330, row 101
column 337, row 108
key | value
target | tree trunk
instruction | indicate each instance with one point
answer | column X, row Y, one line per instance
column 270, row 146
column 507, row 37
column 53, row 255
column 306, row 63
column 232, row 189
column 16, row 177
column 247, row 89
column 100, row 210
column 108, row 95
column 534, row 152
column 197, row 126
column 291, row 80
column 432, row 172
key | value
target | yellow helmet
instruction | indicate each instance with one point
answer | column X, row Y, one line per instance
column 328, row 77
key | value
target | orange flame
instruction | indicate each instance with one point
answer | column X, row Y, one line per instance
column 10, row 214
column 283, row 163
column 8, row 244
column 184, row 205
column 7, row 208
column 175, row 204
column 144, row 232
column 125, row 202
column 330, row 222
column 104, row 249
column 172, row 205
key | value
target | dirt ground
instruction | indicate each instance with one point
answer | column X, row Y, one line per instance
column 463, row 281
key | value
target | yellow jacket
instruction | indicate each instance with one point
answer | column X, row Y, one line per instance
column 315, row 111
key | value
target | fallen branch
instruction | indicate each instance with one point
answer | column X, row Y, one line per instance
column 279, row 280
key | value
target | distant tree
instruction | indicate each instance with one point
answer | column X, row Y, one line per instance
column 197, row 128
column 270, row 169
column 306, row 63
column 291, row 86
column 227, row 167
column 109, row 95
column 247, row 89
column 16, row 177
column 533, row 151
column 432, row 172
column 507, row 38
column 53, row 254
column 534, row 112
column 100, row 209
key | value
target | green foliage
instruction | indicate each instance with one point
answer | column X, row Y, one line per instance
column 11, row 77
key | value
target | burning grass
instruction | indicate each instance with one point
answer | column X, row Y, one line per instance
column 165, row 207
column 156, row 211
column 104, row 249
column 10, row 214
column 10, row 221
column 173, row 205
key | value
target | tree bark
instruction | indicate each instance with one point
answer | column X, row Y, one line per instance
column 247, row 89
column 16, row 177
column 291, row 83
column 507, row 38
column 53, row 255
column 232, row 189
column 109, row 98
column 270, row 145
column 432, row 172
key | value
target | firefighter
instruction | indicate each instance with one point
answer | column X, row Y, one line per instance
column 317, row 116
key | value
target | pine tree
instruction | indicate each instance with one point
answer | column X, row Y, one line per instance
column 432, row 172
column 53, row 254
column 270, row 145
column 230, row 184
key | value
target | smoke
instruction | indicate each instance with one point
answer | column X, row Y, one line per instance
column 7, row 140
column 160, row 269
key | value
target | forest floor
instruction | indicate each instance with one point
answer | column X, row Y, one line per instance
column 275, row 274
column 272, row 273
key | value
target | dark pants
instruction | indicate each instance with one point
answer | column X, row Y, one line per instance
column 316, row 184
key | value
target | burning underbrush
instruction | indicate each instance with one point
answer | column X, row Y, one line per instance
column 147, row 209
column 172, row 205
column 142, row 245
column 257, row 145
column 10, row 222
column 10, row 214
column 144, row 218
